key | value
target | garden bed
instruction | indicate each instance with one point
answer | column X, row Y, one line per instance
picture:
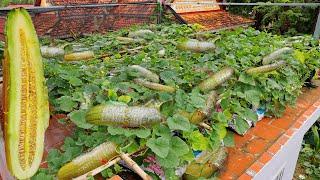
column 205, row 86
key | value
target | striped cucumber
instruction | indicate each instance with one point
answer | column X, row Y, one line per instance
column 154, row 86
column 200, row 114
column 51, row 52
column 217, row 79
column 266, row 68
column 124, row 116
column 196, row 46
column 143, row 33
column 206, row 164
column 85, row 55
column 275, row 55
column 127, row 40
column 145, row 73
column 88, row 161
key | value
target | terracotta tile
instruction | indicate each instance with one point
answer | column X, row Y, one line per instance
column 245, row 176
column 266, row 131
column 256, row 146
column 224, row 175
column 310, row 111
column 317, row 104
column 302, row 119
column 297, row 125
column 283, row 123
column 290, row 132
column 44, row 164
column 265, row 158
column 256, row 167
column 266, row 120
column 240, row 141
column 274, row 148
column 283, row 140
column 238, row 161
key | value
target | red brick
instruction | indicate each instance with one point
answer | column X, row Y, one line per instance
column 240, row 141
column 290, row 132
column 266, row 131
column 274, row 148
column 238, row 161
column 256, row 167
column 297, row 125
column 265, row 158
column 302, row 119
column 309, row 111
column 226, row 175
column 283, row 123
column 245, row 176
column 283, row 140
column 317, row 104
column 256, row 146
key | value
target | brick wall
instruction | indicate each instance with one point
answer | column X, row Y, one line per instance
column 76, row 21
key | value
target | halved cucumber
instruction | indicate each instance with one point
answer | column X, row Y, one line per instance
column 25, row 101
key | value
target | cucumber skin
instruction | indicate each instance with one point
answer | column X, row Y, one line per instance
column 196, row 46
column 88, row 161
column 145, row 73
column 124, row 116
column 154, row 86
column 217, row 79
column 275, row 55
column 197, row 168
column 266, row 68
column 85, row 55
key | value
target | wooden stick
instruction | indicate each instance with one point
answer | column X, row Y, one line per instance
column 98, row 169
column 135, row 167
column 206, row 126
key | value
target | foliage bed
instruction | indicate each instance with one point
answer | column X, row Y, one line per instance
column 75, row 87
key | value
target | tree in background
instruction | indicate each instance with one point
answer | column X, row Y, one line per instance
column 280, row 20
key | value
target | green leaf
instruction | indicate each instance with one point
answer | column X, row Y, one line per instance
column 178, row 146
column 247, row 79
column 220, row 129
column 141, row 133
column 125, row 99
column 112, row 94
column 229, row 139
column 178, row 122
column 162, row 130
column 299, row 56
column 66, row 103
column 159, row 146
column 170, row 161
column 79, row 118
column 241, row 125
column 198, row 141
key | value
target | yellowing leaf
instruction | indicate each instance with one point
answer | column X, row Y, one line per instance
column 299, row 56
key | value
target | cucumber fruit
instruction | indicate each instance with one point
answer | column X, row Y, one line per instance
column 25, row 101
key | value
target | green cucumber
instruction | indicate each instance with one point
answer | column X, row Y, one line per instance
column 145, row 73
column 217, row 79
column 275, row 55
column 88, row 161
column 266, row 68
column 124, row 116
column 196, row 46
column 154, row 86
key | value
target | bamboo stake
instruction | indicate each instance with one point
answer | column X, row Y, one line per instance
column 98, row 169
column 135, row 167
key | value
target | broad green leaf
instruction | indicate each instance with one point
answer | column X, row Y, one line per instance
column 299, row 56
column 79, row 118
column 198, row 141
column 170, row 161
column 125, row 99
column 241, row 125
column 159, row 146
column 178, row 146
column 66, row 103
column 229, row 139
column 178, row 122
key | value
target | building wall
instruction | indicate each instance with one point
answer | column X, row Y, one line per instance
column 76, row 21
